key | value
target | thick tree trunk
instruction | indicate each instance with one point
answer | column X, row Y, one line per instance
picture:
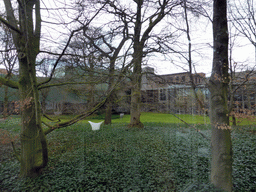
column 33, row 142
column 139, row 41
column 135, row 108
column 34, row 154
column 136, row 76
column 221, row 163
column 108, row 116
column 136, row 91
column 91, row 100
column 110, row 100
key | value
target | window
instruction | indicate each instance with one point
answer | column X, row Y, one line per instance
column 152, row 96
column 162, row 94
column 183, row 78
column 150, row 93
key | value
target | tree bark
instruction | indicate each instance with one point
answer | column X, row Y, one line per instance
column 91, row 96
column 136, row 88
column 26, row 38
column 221, row 163
column 26, row 32
column 6, row 102
column 136, row 76
column 33, row 142
column 110, row 100
column 139, row 41
column 111, row 80
column 44, row 94
column 32, row 138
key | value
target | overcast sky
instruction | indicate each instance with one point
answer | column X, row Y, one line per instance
column 201, row 38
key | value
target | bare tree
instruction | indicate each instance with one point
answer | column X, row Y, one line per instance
column 143, row 27
column 197, row 11
column 25, row 25
column 140, row 19
column 117, row 30
column 84, row 63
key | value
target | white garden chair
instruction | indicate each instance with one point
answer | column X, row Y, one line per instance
column 121, row 115
column 95, row 126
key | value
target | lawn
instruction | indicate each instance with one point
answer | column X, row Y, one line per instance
column 164, row 156
column 167, row 118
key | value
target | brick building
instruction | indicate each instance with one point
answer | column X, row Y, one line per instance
column 172, row 92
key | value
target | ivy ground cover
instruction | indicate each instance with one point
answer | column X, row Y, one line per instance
column 160, row 157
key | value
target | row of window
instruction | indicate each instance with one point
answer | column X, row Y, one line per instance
column 164, row 94
column 182, row 79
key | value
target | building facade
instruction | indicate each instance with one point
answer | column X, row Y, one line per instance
column 159, row 93
column 173, row 92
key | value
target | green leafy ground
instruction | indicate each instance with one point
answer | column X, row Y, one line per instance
column 160, row 157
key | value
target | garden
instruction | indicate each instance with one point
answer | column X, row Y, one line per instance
column 166, row 155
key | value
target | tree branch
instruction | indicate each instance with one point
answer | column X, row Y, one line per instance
column 9, row 83
column 68, row 42
column 159, row 17
column 38, row 20
column 6, row 23
column 75, row 119
column 91, row 111
column 65, row 83
column 12, row 21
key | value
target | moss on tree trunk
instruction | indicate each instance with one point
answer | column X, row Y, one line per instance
column 33, row 142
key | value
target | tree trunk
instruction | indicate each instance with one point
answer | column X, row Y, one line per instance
column 233, row 120
column 110, row 100
column 6, row 98
column 6, row 102
column 135, row 108
column 44, row 94
column 136, row 90
column 109, row 107
column 108, row 115
column 139, row 41
column 221, row 163
column 26, row 37
column 136, row 76
column 33, row 142
column 91, row 100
